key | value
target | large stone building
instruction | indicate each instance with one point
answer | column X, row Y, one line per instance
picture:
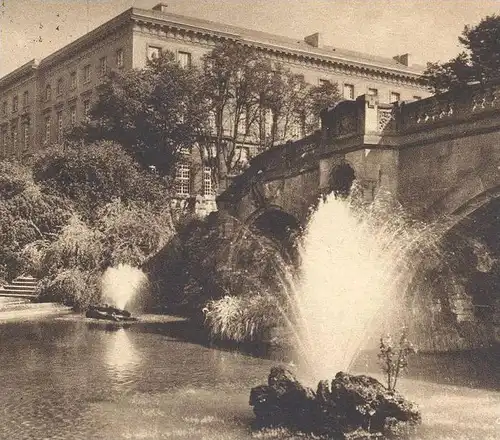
column 41, row 99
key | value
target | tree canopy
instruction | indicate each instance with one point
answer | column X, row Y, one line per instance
column 153, row 113
column 235, row 97
column 479, row 62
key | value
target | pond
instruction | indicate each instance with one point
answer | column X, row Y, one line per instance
column 67, row 378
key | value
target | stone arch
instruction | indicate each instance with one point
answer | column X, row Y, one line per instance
column 469, row 267
column 341, row 178
column 274, row 222
column 279, row 226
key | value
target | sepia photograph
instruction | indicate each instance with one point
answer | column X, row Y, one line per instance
column 250, row 219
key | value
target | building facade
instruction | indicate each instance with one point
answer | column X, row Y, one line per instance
column 42, row 99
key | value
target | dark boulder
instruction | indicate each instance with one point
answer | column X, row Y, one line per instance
column 351, row 407
column 109, row 313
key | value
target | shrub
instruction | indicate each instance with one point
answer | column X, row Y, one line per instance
column 77, row 247
column 393, row 357
column 93, row 175
column 242, row 319
column 27, row 214
column 71, row 287
column 131, row 233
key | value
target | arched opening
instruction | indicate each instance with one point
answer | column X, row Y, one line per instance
column 462, row 281
column 341, row 178
column 281, row 228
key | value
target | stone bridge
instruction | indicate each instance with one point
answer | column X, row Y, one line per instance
column 439, row 157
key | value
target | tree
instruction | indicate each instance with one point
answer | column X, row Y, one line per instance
column 254, row 101
column 154, row 113
column 95, row 175
column 479, row 62
column 29, row 216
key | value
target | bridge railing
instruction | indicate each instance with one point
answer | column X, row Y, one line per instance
column 474, row 101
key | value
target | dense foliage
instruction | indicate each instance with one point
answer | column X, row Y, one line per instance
column 154, row 113
column 91, row 176
column 30, row 218
column 235, row 96
column 480, row 62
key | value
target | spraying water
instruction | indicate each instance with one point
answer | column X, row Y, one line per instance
column 120, row 284
column 355, row 266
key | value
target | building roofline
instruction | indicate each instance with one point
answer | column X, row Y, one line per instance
column 25, row 69
column 278, row 42
column 265, row 41
column 87, row 38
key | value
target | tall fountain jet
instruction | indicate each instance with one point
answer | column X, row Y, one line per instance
column 356, row 263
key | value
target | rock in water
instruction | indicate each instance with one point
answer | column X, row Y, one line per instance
column 352, row 407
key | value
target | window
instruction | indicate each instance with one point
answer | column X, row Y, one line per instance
column 86, row 73
column 59, row 87
column 183, row 179
column 3, row 141
column 208, row 187
column 242, row 123
column 211, row 123
column 103, row 66
column 153, row 52
column 72, row 115
column 15, row 104
column 417, row 98
column 119, row 58
column 295, row 130
column 48, row 92
column 26, row 99
column 348, row 91
column 14, row 136
column 72, row 80
column 47, row 129
column 184, row 59
column 323, row 82
column 86, row 109
column 395, row 97
column 26, row 135
column 372, row 92
column 268, row 122
column 4, row 108
column 59, row 119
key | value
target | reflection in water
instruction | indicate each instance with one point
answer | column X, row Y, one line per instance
column 70, row 380
column 121, row 357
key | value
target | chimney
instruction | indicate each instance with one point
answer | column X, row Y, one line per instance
column 161, row 7
column 314, row 40
column 403, row 59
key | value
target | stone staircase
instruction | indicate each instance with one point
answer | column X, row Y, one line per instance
column 21, row 287
column 18, row 302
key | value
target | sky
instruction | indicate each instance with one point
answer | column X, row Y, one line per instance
column 426, row 29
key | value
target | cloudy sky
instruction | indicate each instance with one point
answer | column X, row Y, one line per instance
column 427, row 29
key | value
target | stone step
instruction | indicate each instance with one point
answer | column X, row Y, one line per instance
column 11, row 294
column 18, row 287
column 24, row 283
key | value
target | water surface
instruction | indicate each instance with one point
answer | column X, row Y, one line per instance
column 65, row 378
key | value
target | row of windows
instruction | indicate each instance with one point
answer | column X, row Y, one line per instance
column 60, row 121
column 15, row 103
column 86, row 75
column 12, row 140
column 183, row 58
column 183, row 180
column 348, row 93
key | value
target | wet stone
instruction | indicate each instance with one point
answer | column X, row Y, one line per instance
column 350, row 407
